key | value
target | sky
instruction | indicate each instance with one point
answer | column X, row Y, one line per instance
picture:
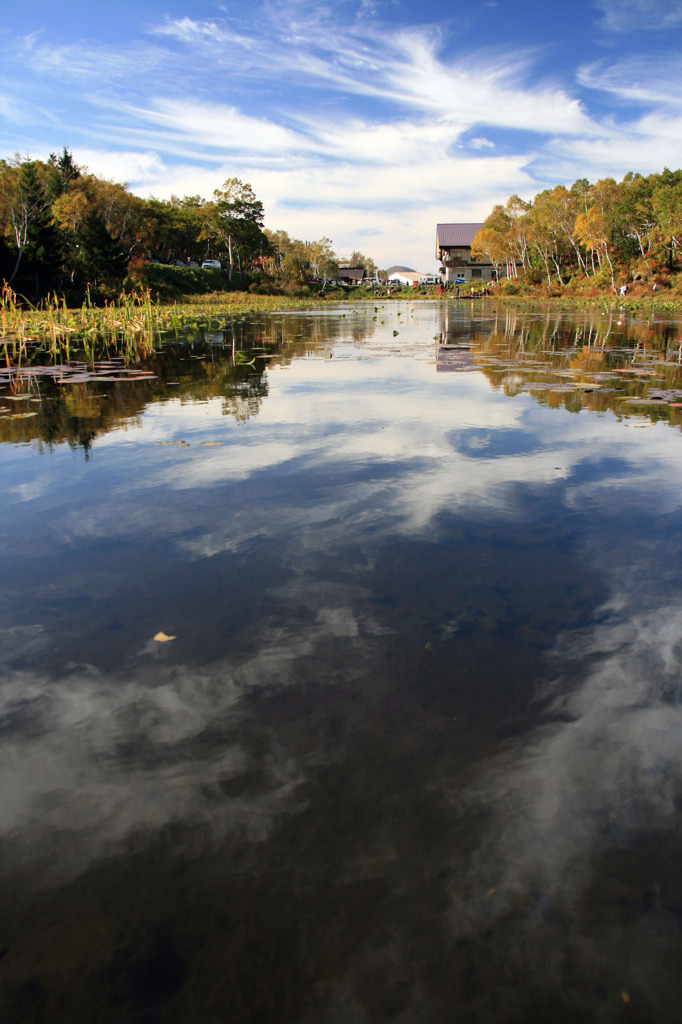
column 365, row 121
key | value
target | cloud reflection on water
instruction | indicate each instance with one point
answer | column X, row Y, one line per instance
column 99, row 760
column 364, row 594
column 605, row 770
column 394, row 469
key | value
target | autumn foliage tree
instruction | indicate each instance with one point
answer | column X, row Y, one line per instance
column 238, row 224
column 610, row 231
column 65, row 229
column 296, row 260
column 492, row 241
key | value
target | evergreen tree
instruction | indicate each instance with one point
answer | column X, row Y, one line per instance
column 98, row 259
column 37, row 240
column 63, row 172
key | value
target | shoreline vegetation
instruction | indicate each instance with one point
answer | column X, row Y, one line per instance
column 82, row 257
column 589, row 238
column 131, row 325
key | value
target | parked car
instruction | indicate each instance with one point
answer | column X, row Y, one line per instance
column 178, row 263
column 429, row 279
column 192, row 263
column 211, row 265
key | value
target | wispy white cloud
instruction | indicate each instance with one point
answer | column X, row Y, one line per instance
column 642, row 79
column 202, row 33
column 640, row 15
column 404, row 69
column 90, row 61
column 645, row 145
column 122, row 165
column 483, row 88
column 220, row 127
column 10, row 110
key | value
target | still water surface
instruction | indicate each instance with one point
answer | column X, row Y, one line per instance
column 414, row 751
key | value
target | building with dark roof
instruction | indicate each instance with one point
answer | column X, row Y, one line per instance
column 453, row 250
column 351, row 275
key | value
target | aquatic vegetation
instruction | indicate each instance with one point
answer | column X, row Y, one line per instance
column 131, row 326
column 52, row 330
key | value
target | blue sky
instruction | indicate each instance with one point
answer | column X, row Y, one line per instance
column 364, row 120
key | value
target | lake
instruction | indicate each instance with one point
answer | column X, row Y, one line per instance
column 341, row 673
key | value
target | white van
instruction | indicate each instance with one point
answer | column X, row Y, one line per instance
column 210, row 265
column 429, row 279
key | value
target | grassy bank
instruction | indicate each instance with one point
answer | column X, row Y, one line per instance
column 636, row 304
column 170, row 283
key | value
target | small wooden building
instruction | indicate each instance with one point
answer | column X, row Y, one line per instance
column 453, row 250
column 351, row 275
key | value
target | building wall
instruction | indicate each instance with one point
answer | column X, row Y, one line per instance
column 458, row 263
column 398, row 278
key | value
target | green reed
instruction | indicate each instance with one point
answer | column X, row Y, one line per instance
column 130, row 324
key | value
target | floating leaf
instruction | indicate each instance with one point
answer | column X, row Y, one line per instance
column 163, row 638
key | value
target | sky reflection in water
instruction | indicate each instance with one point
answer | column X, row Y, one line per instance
column 415, row 749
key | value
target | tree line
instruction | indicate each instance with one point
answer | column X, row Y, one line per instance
column 607, row 233
column 65, row 230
